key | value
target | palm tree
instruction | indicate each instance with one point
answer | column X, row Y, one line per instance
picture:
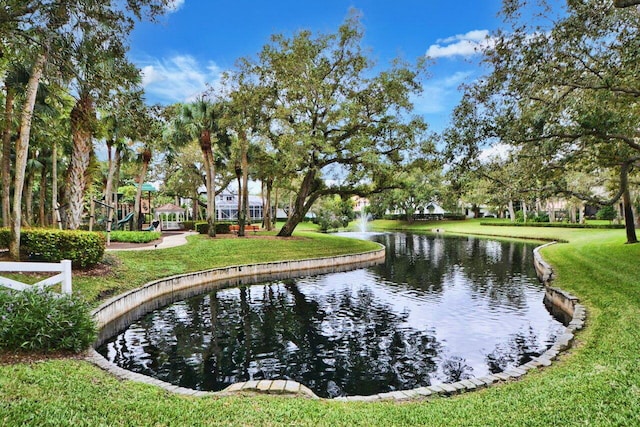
column 198, row 121
column 15, row 80
column 120, row 121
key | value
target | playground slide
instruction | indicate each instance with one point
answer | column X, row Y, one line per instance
column 124, row 220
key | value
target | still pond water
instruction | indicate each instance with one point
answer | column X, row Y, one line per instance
column 440, row 309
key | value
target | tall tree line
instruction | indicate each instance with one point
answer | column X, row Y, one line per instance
column 79, row 46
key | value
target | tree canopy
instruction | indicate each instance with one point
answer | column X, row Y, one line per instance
column 340, row 126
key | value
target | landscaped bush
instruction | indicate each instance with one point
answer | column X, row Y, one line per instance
column 551, row 224
column 454, row 216
column 606, row 213
column 39, row 320
column 202, row 227
column 221, row 227
column 135, row 236
column 540, row 217
column 189, row 225
column 83, row 248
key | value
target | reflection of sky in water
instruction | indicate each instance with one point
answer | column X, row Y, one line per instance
column 467, row 324
column 466, row 300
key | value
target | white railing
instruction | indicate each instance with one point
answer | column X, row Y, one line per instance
column 64, row 268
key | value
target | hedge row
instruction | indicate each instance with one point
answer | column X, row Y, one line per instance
column 135, row 236
column 221, row 227
column 426, row 217
column 83, row 248
column 553, row 224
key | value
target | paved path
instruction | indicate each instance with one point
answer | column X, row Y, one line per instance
column 168, row 241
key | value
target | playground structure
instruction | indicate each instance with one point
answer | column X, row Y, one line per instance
column 127, row 219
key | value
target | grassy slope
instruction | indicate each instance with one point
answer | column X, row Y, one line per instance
column 139, row 267
column 597, row 383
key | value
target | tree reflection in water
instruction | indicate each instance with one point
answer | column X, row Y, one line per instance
column 439, row 310
column 349, row 344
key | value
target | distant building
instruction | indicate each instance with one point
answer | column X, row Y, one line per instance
column 360, row 203
column 227, row 207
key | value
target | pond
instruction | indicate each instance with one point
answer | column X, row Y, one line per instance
column 439, row 309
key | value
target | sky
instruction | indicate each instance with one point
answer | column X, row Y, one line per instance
column 198, row 39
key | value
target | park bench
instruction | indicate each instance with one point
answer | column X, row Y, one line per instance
column 235, row 228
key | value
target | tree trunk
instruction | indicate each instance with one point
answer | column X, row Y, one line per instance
column 275, row 215
column 240, row 215
column 28, row 198
column 551, row 211
column 137, row 206
column 111, row 172
column 111, row 188
column 6, row 156
column 572, row 214
column 267, row 205
column 54, row 185
column 303, row 202
column 245, row 186
column 82, row 117
column 524, row 210
column 512, row 212
column 116, row 184
column 581, row 213
column 43, row 197
column 22, row 151
column 137, row 210
column 210, row 173
column 195, row 205
column 629, row 223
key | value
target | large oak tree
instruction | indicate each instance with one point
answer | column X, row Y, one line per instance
column 564, row 91
column 341, row 125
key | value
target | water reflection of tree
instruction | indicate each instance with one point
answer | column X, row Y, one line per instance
column 455, row 369
column 516, row 351
column 493, row 270
column 355, row 345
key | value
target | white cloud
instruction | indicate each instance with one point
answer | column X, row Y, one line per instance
column 177, row 79
column 465, row 45
column 438, row 95
column 174, row 5
column 499, row 151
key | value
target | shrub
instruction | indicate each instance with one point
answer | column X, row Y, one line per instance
column 202, row 227
column 541, row 217
column 83, row 248
column 189, row 225
column 223, row 227
column 135, row 236
column 39, row 320
column 552, row 225
column 607, row 213
column 454, row 216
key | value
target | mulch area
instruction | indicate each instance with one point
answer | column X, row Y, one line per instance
column 126, row 245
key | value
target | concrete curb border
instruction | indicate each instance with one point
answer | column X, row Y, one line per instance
column 115, row 307
column 140, row 300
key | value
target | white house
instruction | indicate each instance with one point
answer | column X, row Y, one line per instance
column 227, row 207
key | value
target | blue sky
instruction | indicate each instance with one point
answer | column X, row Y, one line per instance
column 199, row 39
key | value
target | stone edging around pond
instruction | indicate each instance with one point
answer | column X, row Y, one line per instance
column 558, row 297
column 127, row 302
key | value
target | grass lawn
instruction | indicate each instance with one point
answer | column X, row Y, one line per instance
column 596, row 383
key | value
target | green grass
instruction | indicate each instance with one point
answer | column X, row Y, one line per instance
column 134, row 236
column 135, row 268
column 596, row 383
